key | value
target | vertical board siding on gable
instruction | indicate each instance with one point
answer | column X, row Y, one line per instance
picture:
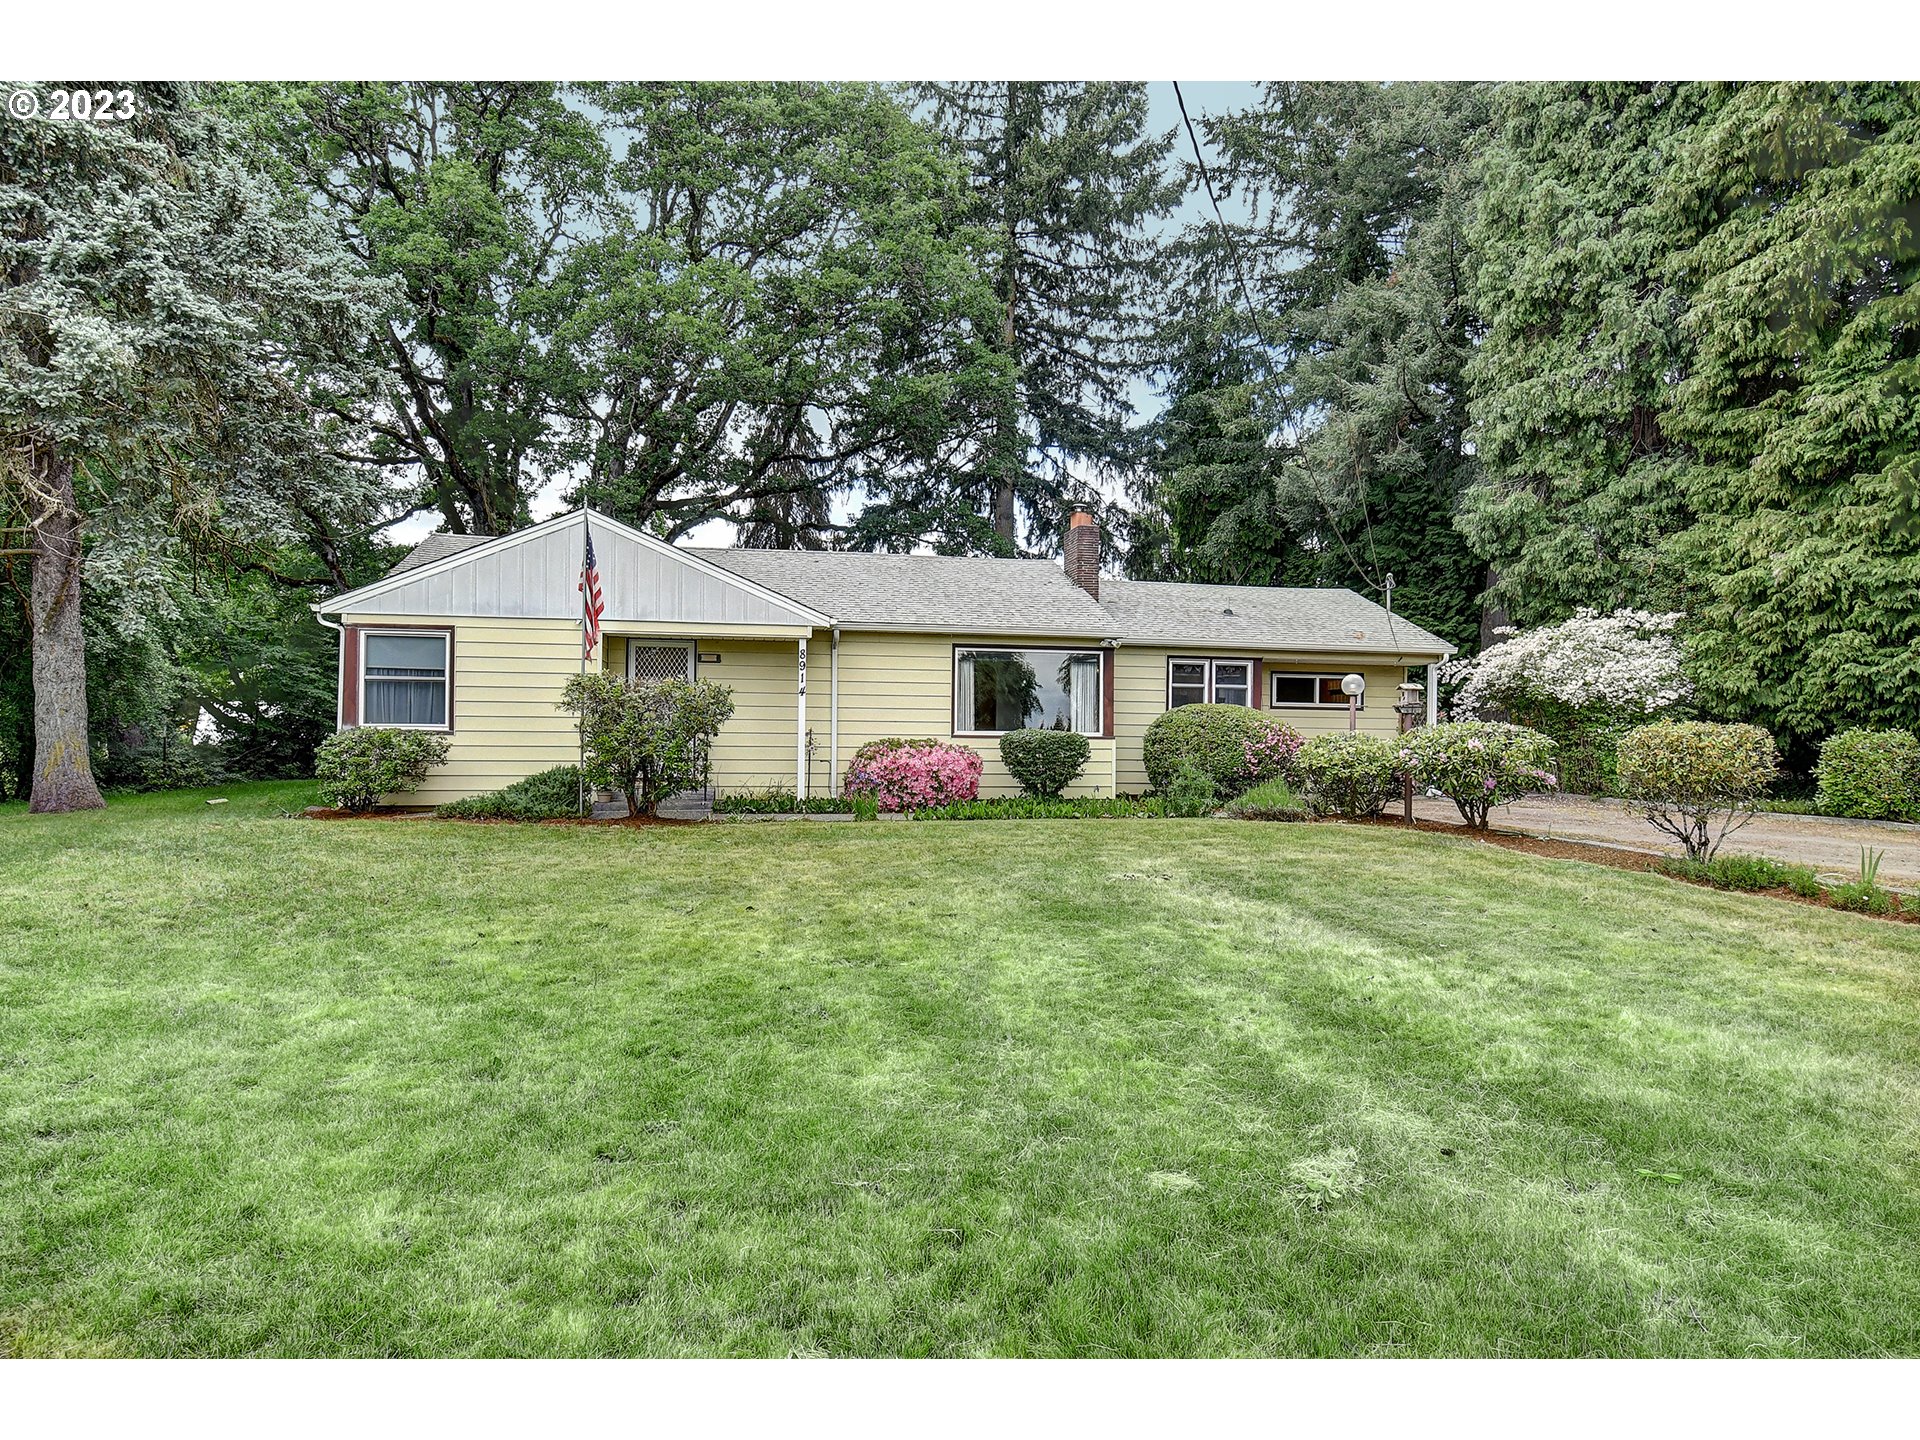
column 507, row 679
column 540, row 577
column 1140, row 698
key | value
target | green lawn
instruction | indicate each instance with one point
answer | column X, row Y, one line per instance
column 274, row 1086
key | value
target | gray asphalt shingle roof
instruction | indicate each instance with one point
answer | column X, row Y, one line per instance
column 937, row 592
column 1261, row 616
column 436, row 547
column 979, row 595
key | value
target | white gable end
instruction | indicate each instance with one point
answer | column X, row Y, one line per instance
column 535, row 574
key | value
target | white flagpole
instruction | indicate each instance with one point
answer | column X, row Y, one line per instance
column 586, row 539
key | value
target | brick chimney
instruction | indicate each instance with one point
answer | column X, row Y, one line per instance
column 1083, row 552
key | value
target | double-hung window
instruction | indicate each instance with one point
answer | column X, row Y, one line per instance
column 1306, row 689
column 995, row 691
column 404, row 678
column 1196, row 682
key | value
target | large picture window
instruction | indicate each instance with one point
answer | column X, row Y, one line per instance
column 995, row 691
column 1197, row 682
column 404, row 679
column 1305, row 689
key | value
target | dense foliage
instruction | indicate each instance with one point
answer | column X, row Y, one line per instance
column 1348, row 774
column 1582, row 683
column 1233, row 746
column 1065, row 185
column 1745, row 872
column 1045, row 762
column 1269, row 800
column 913, row 774
column 1033, row 807
column 1699, row 782
column 548, row 795
column 646, row 739
column 358, row 768
column 1478, row 764
column 1870, row 774
column 1693, row 389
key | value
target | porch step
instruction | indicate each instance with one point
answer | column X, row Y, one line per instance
column 688, row 805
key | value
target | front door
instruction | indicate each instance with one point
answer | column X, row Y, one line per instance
column 652, row 661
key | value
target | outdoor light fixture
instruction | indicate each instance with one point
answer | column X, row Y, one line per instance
column 1353, row 686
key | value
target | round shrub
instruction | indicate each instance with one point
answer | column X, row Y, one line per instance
column 547, row 795
column 914, row 774
column 1348, row 774
column 1478, row 764
column 1870, row 775
column 1236, row 747
column 1191, row 792
column 1684, row 773
column 1045, row 762
column 356, row 767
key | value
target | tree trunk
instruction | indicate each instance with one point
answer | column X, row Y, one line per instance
column 62, row 778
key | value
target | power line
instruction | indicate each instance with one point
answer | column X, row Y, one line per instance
column 1266, row 360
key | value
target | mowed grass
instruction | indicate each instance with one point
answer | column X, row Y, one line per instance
column 275, row 1086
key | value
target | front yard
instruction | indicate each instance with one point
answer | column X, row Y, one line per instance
column 276, row 1086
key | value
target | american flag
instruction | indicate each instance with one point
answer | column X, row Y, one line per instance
column 592, row 607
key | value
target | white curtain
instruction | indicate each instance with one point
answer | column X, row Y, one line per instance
column 963, row 694
column 1086, row 694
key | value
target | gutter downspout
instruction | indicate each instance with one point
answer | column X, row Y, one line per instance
column 339, row 665
column 833, row 721
column 1113, row 755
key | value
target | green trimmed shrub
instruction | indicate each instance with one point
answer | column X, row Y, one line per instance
column 1236, row 747
column 1864, row 896
column 777, row 801
column 1870, row 775
column 356, row 767
column 550, row 795
column 1348, row 774
column 1478, row 764
column 1745, row 872
column 647, row 740
column 1029, row 807
column 1684, row 773
column 1191, row 792
column 1045, row 762
column 1270, row 800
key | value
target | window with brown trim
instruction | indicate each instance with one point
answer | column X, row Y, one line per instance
column 1198, row 681
column 1307, row 689
column 996, row 690
column 404, row 678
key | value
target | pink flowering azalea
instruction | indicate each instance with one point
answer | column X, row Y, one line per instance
column 917, row 777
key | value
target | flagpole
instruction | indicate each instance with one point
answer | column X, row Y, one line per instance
column 586, row 539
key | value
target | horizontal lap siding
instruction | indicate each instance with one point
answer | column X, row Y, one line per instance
column 902, row 685
column 507, row 724
column 1140, row 698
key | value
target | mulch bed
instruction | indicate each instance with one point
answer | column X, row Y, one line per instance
column 634, row 822
column 1617, row 859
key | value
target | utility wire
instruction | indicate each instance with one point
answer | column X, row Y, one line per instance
column 1266, row 360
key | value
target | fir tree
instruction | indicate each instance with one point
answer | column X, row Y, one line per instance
column 1066, row 182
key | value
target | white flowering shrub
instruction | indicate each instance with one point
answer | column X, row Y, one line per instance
column 1625, row 664
column 1582, row 682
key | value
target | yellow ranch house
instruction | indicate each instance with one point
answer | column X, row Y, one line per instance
column 474, row 637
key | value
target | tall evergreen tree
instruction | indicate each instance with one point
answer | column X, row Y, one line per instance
column 1797, row 411
column 176, row 334
column 1583, row 336
column 1067, row 182
column 1354, row 251
column 1695, row 390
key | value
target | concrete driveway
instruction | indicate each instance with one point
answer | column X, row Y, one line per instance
column 1831, row 847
